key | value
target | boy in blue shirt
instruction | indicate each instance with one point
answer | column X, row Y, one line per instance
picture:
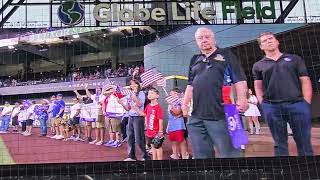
column 176, row 127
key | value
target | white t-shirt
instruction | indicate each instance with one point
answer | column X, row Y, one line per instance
column 30, row 111
column 74, row 110
column 15, row 111
column 7, row 109
column 100, row 99
column 23, row 115
column 89, row 111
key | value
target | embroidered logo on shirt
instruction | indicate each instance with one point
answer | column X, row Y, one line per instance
column 287, row 59
column 219, row 57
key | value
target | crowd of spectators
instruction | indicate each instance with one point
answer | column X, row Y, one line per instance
column 80, row 74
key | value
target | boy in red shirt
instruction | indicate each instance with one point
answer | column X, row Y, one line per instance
column 154, row 123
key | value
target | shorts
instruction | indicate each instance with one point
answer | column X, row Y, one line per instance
column 74, row 121
column 176, row 136
column 15, row 121
column 58, row 121
column 100, row 123
column 92, row 124
column 113, row 124
column 29, row 122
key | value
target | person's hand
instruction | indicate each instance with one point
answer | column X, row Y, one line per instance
column 119, row 101
column 185, row 110
column 160, row 134
column 242, row 105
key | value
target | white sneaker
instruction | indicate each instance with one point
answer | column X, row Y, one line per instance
column 129, row 159
column 173, row 156
column 99, row 143
column 59, row 137
column 27, row 134
column 93, row 142
column 24, row 132
column 54, row 137
column 78, row 139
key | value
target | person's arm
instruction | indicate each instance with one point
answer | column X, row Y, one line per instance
column 306, row 87
column 77, row 93
column 136, row 109
column 62, row 106
column 122, row 104
column 241, row 93
column 167, row 129
column 88, row 93
column 139, row 100
column 77, row 113
column 240, row 82
column 258, row 87
column 188, row 92
column 161, row 127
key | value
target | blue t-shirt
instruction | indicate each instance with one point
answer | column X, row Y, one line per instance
column 58, row 104
column 176, row 122
column 142, row 98
column 41, row 111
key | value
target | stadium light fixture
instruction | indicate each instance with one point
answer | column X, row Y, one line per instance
column 10, row 47
column 75, row 36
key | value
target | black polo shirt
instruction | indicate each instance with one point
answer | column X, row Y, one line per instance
column 207, row 78
column 280, row 78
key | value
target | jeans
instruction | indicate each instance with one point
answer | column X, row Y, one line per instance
column 298, row 115
column 5, row 122
column 135, row 132
column 205, row 134
column 124, row 124
column 43, row 126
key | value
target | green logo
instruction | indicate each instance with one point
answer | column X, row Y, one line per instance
column 248, row 12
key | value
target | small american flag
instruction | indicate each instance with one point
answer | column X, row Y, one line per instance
column 150, row 76
column 124, row 91
column 173, row 99
column 162, row 82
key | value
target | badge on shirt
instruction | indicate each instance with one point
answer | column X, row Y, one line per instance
column 287, row 59
column 219, row 57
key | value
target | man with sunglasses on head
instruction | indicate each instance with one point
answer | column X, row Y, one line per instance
column 207, row 125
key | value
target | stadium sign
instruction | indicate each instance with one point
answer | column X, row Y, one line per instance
column 248, row 12
column 71, row 12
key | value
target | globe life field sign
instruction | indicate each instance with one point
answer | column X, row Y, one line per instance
column 72, row 12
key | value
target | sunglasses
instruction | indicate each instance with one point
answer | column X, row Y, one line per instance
column 207, row 62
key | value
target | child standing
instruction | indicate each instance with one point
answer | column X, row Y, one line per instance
column 154, row 123
column 43, row 117
column 176, row 127
column 14, row 117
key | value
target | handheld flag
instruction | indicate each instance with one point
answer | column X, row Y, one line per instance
column 124, row 91
column 235, row 128
column 150, row 76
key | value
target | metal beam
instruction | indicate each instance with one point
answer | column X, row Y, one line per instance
column 4, row 7
column 89, row 42
column 13, row 10
column 34, row 50
column 286, row 11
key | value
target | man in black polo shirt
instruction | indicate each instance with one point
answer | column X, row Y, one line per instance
column 207, row 126
column 284, row 90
